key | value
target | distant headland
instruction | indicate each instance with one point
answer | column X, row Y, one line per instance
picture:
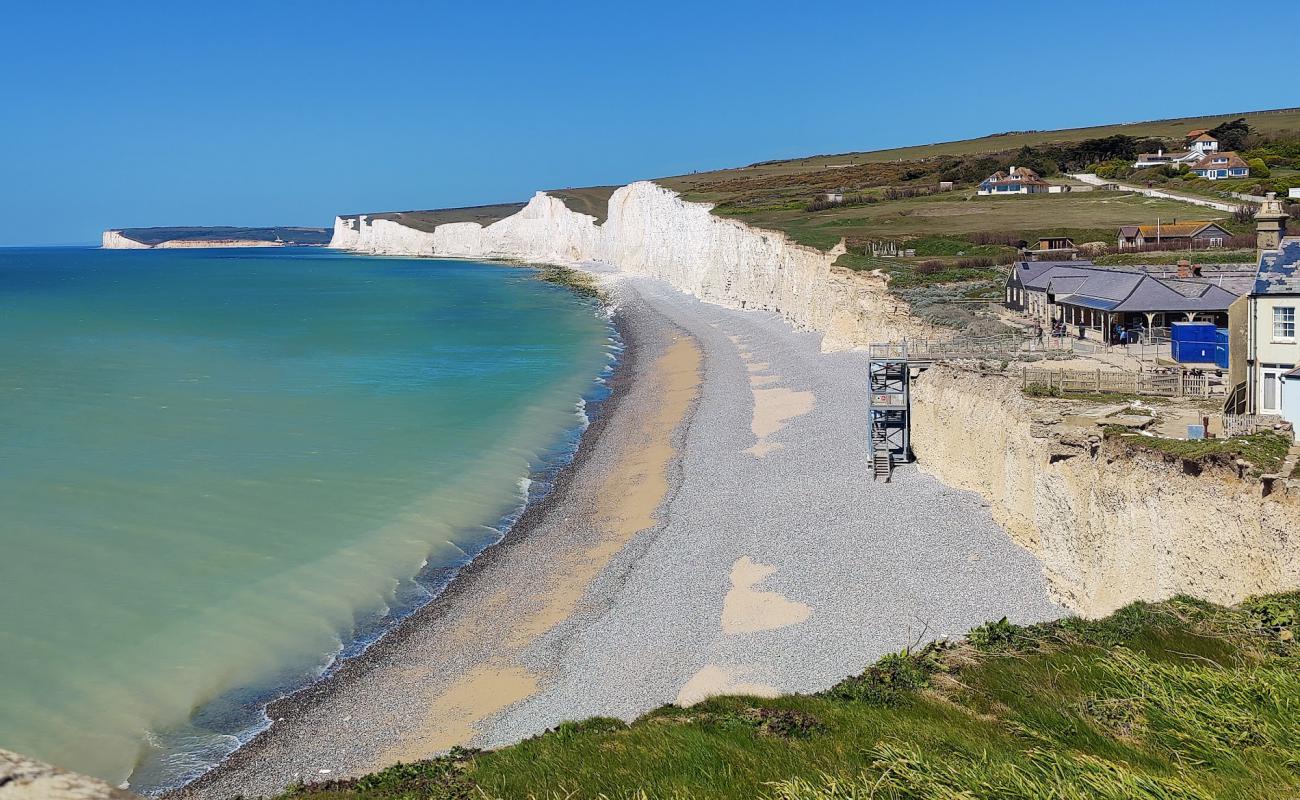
column 219, row 236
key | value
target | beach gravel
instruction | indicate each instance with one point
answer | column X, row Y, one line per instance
column 776, row 564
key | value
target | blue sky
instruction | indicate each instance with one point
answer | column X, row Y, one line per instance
column 179, row 113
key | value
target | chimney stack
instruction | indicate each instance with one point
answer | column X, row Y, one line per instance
column 1184, row 268
column 1270, row 223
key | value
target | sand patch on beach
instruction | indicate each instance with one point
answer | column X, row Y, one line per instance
column 515, row 615
column 630, row 493
column 773, row 409
column 746, row 609
column 451, row 718
column 713, row 680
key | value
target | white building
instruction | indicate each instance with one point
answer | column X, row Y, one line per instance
column 1272, row 323
column 1017, row 180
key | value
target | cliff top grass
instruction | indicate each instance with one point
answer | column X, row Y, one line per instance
column 1264, row 450
column 428, row 220
column 1180, row 699
column 702, row 185
column 591, row 200
column 1091, row 214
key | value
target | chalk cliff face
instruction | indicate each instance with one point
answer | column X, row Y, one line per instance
column 114, row 240
column 23, row 778
column 1109, row 525
column 652, row 231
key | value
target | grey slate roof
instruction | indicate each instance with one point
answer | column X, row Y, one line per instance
column 1279, row 270
column 1082, row 284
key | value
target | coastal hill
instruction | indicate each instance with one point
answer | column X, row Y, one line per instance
column 216, row 236
column 912, row 214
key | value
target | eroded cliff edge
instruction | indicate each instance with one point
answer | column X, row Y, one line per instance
column 1110, row 524
column 651, row 231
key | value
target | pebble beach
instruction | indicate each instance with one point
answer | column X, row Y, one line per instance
column 718, row 532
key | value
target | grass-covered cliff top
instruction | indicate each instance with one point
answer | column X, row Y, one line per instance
column 306, row 236
column 1181, row 699
column 428, row 220
column 703, row 185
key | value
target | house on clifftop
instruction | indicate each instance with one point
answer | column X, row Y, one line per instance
column 1097, row 303
column 1173, row 236
column 1264, row 324
column 1017, row 180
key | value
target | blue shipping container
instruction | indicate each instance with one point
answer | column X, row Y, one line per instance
column 1221, row 348
column 1192, row 332
column 1192, row 352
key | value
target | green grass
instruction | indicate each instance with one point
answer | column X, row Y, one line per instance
column 1265, row 450
column 1100, row 398
column 1173, row 256
column 1181, row 699
column 950, row 215
column 1271, row 121
column 428, row 220
column 590, row 200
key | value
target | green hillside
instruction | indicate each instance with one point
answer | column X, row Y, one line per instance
column 1181, row 699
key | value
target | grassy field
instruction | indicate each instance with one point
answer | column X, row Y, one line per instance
column 1180, row 699
column 1263, row 121
column 1087, row 216
column 432, row 218
column 591, row 200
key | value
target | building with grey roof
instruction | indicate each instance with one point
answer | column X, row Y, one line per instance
column 1099, row 303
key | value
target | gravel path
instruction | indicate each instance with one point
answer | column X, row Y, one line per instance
column 777, row 565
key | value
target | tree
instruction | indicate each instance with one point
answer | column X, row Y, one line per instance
column 1232, row 135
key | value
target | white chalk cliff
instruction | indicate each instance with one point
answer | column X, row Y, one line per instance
column 651, row 231
column 114, row 240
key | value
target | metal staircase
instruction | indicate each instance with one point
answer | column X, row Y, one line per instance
column 887, row 411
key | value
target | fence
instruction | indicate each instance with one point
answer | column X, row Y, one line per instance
column 1005, row 346
column 1246, row 424
column 1169, row 384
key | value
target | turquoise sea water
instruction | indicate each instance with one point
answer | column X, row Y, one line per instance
column 221, row 469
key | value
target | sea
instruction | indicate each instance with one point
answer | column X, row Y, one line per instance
column 224, row 471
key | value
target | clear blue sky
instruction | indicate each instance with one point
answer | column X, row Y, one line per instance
column 240, row 113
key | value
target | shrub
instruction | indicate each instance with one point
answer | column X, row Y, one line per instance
column 1258, row 168
column 892, row 678
column 930, row 267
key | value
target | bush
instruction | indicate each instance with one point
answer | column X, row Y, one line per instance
column 1258, row 169
column 930, row 267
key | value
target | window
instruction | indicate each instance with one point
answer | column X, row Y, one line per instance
column 1284, row 323
column 1216, row 241
column 1270, row 395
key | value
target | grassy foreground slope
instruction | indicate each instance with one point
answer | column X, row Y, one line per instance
column 1180, row 699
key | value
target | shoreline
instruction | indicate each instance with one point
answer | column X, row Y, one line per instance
column 457, row 594
column 593, row 406
column 773, row 565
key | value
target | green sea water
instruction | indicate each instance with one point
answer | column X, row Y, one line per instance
column 220, row 470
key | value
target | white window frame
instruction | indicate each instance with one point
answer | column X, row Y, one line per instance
column 1284, row 317
column 1271, row 403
